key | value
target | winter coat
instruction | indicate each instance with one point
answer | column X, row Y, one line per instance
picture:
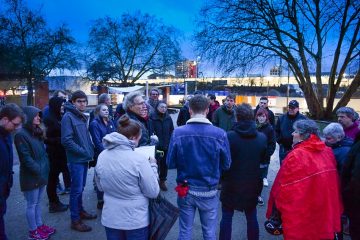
column 242, row 183
column 269, row 132
column 184, row 115
column 6, row 164
column 284, row 129
column 270, row 114
column 224, row 118
column 146, row 128
column 34, row 162
column 352, row 131
column 351, row 180
column 54, row 148
column 306, row 192
column 75, row 136
column 340, row 150
column 98, row 130
column 163, row 128
column 128, row 181
column 199, row 152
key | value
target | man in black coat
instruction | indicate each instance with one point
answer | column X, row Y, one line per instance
column 242, row 183
column 284, row 128
column 11, row 118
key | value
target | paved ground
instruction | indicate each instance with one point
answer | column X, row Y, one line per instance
column 16, row 225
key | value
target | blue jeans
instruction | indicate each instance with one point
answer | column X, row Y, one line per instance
column 78, row 173
column 226, row 224
column 207, row 207
column 118, row 234
column 33, row 207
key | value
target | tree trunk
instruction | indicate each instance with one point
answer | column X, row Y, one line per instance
column 316, row 109
column 30, row 95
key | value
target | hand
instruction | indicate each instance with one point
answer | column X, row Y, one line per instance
column 154, row 138
column 152, row 160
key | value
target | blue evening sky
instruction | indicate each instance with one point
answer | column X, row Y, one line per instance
column 78, row 14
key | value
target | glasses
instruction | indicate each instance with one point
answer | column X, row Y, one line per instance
column 155, row 94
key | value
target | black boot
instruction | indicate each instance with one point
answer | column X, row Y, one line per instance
column 57, row 207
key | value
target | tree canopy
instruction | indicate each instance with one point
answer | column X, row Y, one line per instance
column 30, row 49
column 126, row 48
column 238, row 34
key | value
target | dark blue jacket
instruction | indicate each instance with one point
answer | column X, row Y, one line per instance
column 200, row 152
column 6, row 164
column 341, row 150
column 146, row 129
column 269, row 132
column 75, row 136
column 242, row 183
column 284, row 129
column 184, row 115
column 163, row 128
column 98, row 130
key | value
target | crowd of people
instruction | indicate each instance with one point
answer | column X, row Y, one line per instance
column 221, row 153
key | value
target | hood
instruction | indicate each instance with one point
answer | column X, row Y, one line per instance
column 245, row 128
column 115, row 139
column 30, row 113
column 313, row 143
column 69, row 107
column 55, row 106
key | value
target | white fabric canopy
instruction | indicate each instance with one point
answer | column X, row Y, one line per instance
column 121, row 90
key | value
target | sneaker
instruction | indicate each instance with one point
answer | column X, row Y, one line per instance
column 57, row 207
column 80, row 226
column 260, row 201
column 35, row 235
column 265, row 182
column 46, row 230
column 86, row 215
column 59, row 189
column 163, row 186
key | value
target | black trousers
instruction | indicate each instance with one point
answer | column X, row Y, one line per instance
column 57, row 166
column 163, row 169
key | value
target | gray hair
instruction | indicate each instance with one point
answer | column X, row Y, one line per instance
column 348, row 111
column 103, row 97
column 306, row 127
column 334, row 130
column 129, row 99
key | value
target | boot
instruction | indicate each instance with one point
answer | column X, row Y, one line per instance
column 162, row 186
column 87, row 216
column 57, row 207
column 80, row 226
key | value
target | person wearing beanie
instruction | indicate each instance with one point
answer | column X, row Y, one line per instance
column 163, row 128
column 34, row 171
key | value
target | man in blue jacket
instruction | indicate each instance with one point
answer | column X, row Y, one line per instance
column 11, row 118
column 199, row 152
column 76, row 140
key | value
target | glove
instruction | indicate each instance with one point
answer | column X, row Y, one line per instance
column 154, row 139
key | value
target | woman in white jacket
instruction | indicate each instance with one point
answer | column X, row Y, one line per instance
column 128, row 180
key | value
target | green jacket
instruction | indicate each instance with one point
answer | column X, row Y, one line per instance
column 34, row 163
column 224, row 118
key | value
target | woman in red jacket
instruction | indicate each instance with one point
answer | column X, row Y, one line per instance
column 306, row 190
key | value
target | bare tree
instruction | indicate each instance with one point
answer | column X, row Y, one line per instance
column 32, row 49
column 304, row 33
column 125, row 49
